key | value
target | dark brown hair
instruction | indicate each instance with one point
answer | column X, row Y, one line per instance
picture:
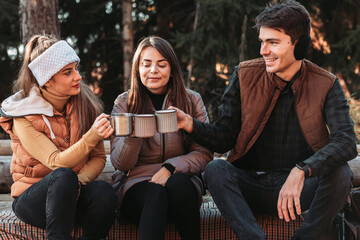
column 87, row 105
column 290, row 16
column 138, row 96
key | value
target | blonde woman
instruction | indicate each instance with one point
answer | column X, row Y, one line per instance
column 57, row 131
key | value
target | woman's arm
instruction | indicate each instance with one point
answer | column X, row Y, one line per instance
column 92, row 169
column 45, row 151
column 124, row 151
column 193, row 162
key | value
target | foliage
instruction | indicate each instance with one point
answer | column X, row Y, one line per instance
column 355, row 115
column 224, row 35
column 214, row 46
column 9, row 41
column 339, row 22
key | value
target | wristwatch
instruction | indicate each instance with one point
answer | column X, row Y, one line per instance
column 303, row 166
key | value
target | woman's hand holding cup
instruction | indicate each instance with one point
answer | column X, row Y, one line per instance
column 102, row 126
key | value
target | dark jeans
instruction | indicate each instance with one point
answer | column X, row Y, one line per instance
column 52, row 204
column 149, row 205
column 240, row 193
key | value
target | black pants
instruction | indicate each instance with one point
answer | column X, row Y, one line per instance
column 52, row 204
column 150, row 206
column 239, row 193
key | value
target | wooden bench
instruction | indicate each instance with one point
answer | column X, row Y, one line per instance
column 213, row 226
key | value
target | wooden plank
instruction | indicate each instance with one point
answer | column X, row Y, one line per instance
column 6, row 179
column 5, row 147
column 5, row 176
column 5, row 202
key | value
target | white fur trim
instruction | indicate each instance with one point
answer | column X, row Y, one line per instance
column 52, row 61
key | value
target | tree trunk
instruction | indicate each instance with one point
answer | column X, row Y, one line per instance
column 38, row 17
column 191, row 63
column 128, row 40
column 243, row 46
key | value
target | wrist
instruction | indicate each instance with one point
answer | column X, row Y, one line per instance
column 169, row 167
column 189, row 123
column 305, row 168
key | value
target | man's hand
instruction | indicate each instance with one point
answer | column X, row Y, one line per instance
column 161, row 176
column 184, row 121
column 290, row 195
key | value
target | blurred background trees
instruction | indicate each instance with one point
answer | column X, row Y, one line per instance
column 210, row 37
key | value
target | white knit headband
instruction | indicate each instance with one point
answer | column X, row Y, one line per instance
column 52, row 61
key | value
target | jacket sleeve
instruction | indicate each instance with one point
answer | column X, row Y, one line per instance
column 94, row 166
column 124, row 151
column 222, row 136
column 195, row 161
column 44, row 150
column 342, row 145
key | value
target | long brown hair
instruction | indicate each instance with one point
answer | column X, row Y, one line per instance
column 177, row 95
column 87, row 105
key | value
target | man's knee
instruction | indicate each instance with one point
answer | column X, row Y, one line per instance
column 218, row 171
column 339, row 180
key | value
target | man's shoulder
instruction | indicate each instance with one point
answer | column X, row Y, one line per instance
column 253, row 63
column 314, row 69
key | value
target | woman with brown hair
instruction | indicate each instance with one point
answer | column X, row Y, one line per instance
column 57, row 131
column 162, row 183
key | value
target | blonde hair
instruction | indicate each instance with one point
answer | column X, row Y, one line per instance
column 87, row 105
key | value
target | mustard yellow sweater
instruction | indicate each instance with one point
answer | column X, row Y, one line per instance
column 44, row 150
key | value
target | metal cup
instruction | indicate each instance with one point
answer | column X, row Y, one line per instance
column 166, row 121
column 144, row 125
column 122, row 123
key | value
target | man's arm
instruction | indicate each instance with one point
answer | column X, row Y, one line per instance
column 342, row 145
column 220, row 137
column 340, row 149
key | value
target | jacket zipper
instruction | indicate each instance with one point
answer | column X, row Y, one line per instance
column 163, row 135
column 68, row 125
column 261, row 119
column 163, row 150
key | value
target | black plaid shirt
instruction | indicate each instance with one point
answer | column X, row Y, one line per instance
column 281, row 144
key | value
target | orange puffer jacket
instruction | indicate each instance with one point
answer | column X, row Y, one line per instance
column 25, row 169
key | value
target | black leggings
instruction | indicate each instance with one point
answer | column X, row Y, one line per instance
column 150, row 206
column 52, row 204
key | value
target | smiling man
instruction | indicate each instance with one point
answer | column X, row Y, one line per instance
column 287, row 123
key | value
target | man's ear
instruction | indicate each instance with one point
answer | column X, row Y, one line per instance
column 302, row 47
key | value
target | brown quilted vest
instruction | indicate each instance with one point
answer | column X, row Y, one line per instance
column 259, row 91
column 25, row 169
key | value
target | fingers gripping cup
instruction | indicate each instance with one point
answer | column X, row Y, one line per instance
column 144, row 125
column 122, row 123
column 166, row 121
